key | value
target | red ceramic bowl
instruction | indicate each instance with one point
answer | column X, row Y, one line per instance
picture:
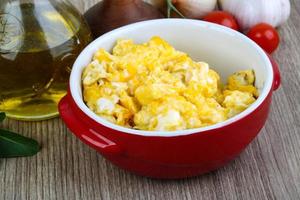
column 176, row 154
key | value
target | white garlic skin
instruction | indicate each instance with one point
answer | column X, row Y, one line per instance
column 251, row 12
column 195, row 9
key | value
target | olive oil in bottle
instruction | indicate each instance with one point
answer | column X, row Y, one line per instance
column 39, row 41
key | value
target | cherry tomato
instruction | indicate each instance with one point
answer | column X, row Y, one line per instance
column 222, row 18
column 265, row 36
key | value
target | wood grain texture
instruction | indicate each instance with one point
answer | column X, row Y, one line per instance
column 268, row 169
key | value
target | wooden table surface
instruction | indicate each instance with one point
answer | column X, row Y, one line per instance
column 268, row 169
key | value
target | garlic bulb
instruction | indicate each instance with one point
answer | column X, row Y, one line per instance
column 251, row 12
column 194, row 8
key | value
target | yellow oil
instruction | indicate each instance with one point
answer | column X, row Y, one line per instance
column 38, row 44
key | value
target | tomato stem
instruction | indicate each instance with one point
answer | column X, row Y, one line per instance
column 171, row 7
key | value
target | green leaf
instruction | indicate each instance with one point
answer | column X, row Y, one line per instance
column 2, row 116
column 15, row 145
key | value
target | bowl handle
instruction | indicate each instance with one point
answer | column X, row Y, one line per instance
column 277, row 77
column 86, row 134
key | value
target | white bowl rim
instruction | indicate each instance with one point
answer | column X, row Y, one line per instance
column 83, row 107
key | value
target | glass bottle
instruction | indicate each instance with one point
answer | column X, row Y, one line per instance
column 39, row 41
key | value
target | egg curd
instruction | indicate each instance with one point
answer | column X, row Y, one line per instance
column 152, row 86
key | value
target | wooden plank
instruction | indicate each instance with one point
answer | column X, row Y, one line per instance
column 268, row 169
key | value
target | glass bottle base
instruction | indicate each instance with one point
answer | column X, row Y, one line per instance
column 32, row 109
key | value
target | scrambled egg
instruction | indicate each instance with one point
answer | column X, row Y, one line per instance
column 152, row 86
